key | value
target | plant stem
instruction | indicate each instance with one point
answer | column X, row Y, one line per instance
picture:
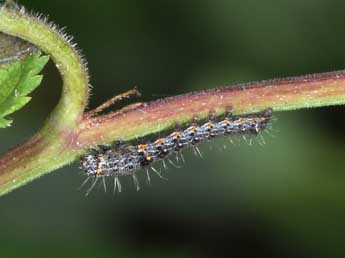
column 283, row 94
column 69, row 63
column 48, row 149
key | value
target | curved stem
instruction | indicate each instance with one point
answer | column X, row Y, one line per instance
column 48, row 149
column 68, row 111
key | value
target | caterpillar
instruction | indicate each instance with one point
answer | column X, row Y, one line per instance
column 126, row 159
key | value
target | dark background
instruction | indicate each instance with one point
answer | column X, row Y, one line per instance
column 283, row 199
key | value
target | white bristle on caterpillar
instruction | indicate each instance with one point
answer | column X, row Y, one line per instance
column 126, row 159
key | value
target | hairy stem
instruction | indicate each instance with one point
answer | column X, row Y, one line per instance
column 72, row 69
column 48, row 149
column 283, row 94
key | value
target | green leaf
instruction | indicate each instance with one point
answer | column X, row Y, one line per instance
column 17, row 80
column 5, row 123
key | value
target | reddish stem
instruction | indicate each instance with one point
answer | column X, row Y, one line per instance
column 282, row 94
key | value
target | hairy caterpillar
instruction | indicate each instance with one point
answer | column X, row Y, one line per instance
column 127, row 159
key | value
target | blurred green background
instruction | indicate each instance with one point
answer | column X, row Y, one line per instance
column 283, row 199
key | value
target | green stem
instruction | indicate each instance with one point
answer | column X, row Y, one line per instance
column 48, row 149
column 69, row 63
